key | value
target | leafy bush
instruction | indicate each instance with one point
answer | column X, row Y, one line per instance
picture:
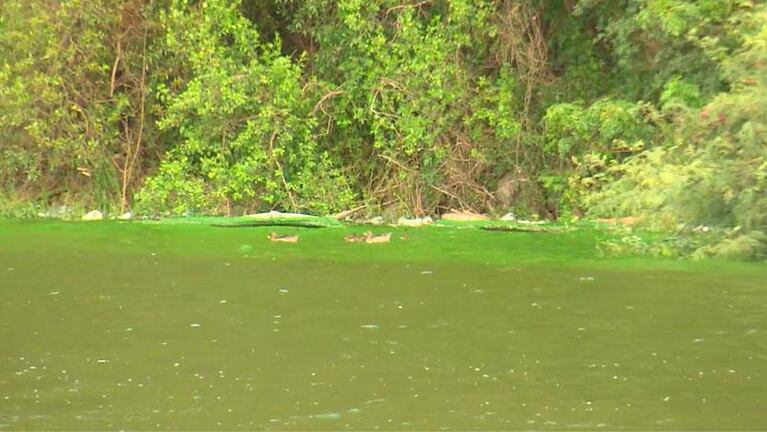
column 714, row 172
column 246, row 136
column 71, row 93
column 587, row 143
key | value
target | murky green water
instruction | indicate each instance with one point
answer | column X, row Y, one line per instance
column 126, row 326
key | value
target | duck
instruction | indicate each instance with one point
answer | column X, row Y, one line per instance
column 273, row 236
column 355, row 238
column 380, row 238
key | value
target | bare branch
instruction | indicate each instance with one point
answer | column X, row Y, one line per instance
column 405, row 6
column 324, row 98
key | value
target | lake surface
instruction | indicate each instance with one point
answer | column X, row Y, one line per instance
column 134, row 326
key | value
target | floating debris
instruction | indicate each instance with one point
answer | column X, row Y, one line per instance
column 378, row 220
column 520, row 228
column 464, row 216
column 415, row 222
column 326, row 416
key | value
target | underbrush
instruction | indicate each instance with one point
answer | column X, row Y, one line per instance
column 695, row 244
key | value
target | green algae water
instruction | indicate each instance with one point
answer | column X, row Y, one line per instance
column 134, row 326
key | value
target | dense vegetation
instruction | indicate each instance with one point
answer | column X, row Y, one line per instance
column 554, row 108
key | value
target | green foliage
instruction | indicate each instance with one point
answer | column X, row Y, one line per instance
column 585, row 143
column 246, row 134
column 752, row 245
column 715, row 173
column 654, row 41
column 407, row 109
column 13, row 207
column 680, row 94
column 70, row 92
column 50, row 113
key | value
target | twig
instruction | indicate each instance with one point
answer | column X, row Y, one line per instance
column 405, row 6
column 282, row 172
column 130, row 158
column 114, row 70
column 346, row 213
column 324, row 98
column 439, row 189
column 396, row 162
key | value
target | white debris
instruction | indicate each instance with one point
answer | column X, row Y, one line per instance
column 93, row 215
column 509, row 217
column 415, row 222
column 378, row 220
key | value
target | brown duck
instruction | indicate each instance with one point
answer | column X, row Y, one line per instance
column 380, row 238
column 355, row 238
column 283, row 238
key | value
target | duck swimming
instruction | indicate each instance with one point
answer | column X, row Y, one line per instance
column 273, row 236
column 380, row 238
column 355, row 238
